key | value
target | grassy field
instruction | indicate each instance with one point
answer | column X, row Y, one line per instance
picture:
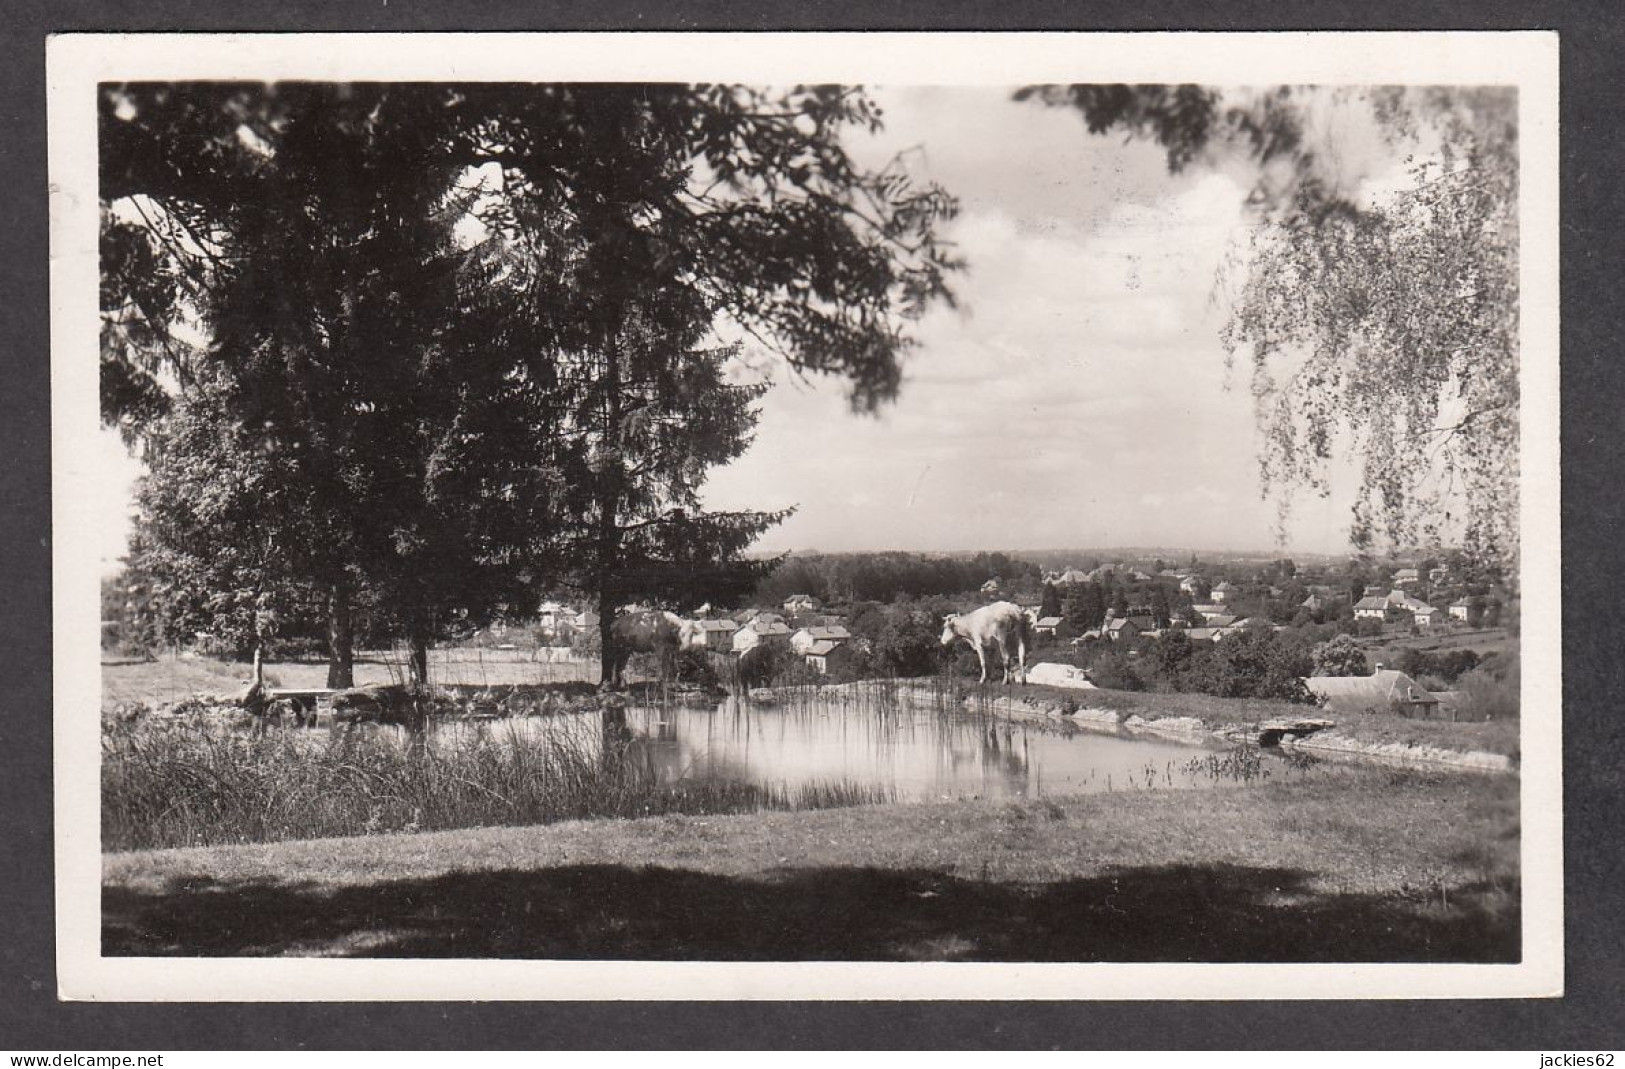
column 1371, row 865
column 170, row 678
column 1481, row 641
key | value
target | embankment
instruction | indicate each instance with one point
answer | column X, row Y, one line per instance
column 1207, row 720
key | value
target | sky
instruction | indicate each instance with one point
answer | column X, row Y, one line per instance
column 1078, row 396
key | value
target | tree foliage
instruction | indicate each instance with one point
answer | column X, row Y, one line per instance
column 1384, row 327
column 219, row 573
column 1340, row 656
column 475, row 325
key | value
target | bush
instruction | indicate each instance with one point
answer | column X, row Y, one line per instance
column 1115, row 670
column 587, row 643
column 694, row 668
column 1340, row 656
column 1448, row 666
column 1491, row 691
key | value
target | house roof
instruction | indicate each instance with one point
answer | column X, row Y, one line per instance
column 1361, row 692
column 717, row 625
column 1372, row 602
column 1410, row 604
column 1219, row 619
column 1050, row 621
column 835, row 631
column 1226, row 587
column 1119, row 624
column 1201, row 634
column 1407, row 573
column 823, row 649
column 1460, row 604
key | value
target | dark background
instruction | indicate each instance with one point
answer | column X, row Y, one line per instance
column 1588, row 1017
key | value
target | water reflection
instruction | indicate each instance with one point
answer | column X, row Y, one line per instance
column 915, row 754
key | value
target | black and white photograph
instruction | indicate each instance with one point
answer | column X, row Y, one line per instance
column 806, row 516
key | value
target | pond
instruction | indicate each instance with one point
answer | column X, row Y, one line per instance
column 910, row 753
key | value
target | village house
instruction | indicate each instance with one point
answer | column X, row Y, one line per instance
column 1120, row 629
column 1130, row 627
column 717, row 634
column 1426, row 616
column 550, row 614
column 1224, row 592
column 803, row 640
column 800, row 603
column 826, row 656
column 1371, row 607
column 761, row 631
column 1406, row 576
column 990, row 587
column 1458, row 610
column 1049, row 626
column 1383, row 690
column 1189, row 583
column 1401, row 600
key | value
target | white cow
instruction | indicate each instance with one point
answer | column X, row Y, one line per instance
column 1000, row 624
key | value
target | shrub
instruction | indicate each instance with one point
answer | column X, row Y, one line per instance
column 1340, row 656
column 694, row 668
column 1491, row 691
column 1448, row 665
column 1115, row 670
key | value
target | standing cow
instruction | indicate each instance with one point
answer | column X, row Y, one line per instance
column 1002, row 625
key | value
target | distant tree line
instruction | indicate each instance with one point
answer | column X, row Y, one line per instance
column 852, row 577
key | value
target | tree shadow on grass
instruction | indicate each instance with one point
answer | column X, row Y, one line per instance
column 1168, row 914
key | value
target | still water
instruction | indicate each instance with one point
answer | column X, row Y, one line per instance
column 915, row 754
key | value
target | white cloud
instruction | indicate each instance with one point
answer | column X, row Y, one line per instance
column 1076, row 397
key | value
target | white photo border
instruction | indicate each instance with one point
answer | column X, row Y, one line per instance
column 76, row 63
